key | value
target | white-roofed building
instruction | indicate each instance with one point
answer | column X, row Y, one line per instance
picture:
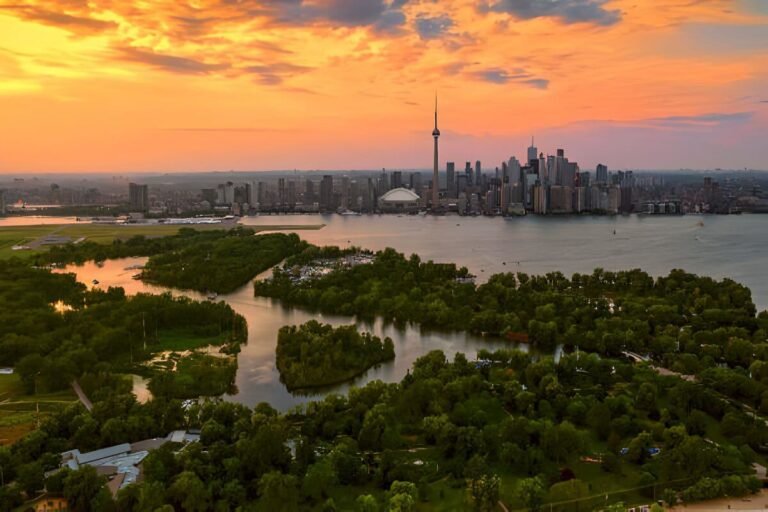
column 399, row 200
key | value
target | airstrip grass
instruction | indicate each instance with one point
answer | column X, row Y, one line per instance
column 11, row 236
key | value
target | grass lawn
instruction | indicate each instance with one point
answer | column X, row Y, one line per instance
column 107, row 233
column 19, row 411
column 178, row 340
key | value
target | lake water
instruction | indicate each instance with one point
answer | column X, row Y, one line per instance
column 727, row 246
column 734, row 246
column 257, row 377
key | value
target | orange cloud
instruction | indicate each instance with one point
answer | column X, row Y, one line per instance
column 108, row 84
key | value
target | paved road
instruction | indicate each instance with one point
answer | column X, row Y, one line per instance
column 81, row 395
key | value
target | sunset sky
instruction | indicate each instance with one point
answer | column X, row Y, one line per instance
column 167, row 85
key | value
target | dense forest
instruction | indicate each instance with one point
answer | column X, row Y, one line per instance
column 578, row 432
column 216, row 260
column 315, row 354
column 97, row 332
column 452, row 435
column 690, row 324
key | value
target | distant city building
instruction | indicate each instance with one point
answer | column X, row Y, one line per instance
column 435, row 176
column 468, row 173
column 138, row 197
column 309, row 192
column 326, row 193
column 344, row 192
column 415, row 182
column 399, row 200
column 2, row 202
column 450, row 175
column 291, row 194
column 601, row 173
column 281, row 191
column 396, row 179
column 533, row 152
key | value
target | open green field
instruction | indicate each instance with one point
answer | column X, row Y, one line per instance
column 19, row 411
column 107, row 233
column 179, row 340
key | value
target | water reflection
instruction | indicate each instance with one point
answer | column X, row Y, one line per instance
column 257, row 378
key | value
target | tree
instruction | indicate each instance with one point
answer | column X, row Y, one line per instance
column 485, row 493
column 402, row 496
column 531, row 491
column 562, row 440
column 190, row 492
column 320, row 477
column 279, row 492
column 81, row 487
column 367, row 503
column 637, row 451
column 30, row 478
column 474, row 470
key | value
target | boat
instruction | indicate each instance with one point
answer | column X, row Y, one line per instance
column 212, row 296
column 95, row 282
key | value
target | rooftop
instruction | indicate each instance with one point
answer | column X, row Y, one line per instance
column 397, row 195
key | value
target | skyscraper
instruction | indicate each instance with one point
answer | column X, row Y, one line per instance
column 602, row 173
column 309, row 192
column 435, row 180
column 138, row 197
column 533, row 153
column 450, row 172
column 397, row 179
column 326, row 193
column 281, row 191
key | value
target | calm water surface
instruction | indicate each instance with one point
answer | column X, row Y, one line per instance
column 257, row 378
column 727, row 246
column 734, row 246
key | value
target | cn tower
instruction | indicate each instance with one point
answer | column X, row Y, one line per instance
column 435, row 180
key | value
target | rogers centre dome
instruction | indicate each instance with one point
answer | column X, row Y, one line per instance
column 400, row 200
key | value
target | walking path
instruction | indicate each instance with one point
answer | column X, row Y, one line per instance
column 755, row 502
column 81, row 395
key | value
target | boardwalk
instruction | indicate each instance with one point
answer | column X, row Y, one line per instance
column 81, row 395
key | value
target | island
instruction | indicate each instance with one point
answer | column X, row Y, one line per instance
column 633, row 388
column 314, row 355
column 217, row 261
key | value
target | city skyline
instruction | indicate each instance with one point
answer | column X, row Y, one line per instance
column 120, row 88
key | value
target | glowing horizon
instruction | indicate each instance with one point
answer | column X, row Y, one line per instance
column 205, row 85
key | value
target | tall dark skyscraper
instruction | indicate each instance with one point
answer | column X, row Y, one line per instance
column 533, row 153
column 450, row 174
column 326, row 193
column 435, row 177
column 138, row 197
column 602, row 173
column 397, row 179
column 309, row 192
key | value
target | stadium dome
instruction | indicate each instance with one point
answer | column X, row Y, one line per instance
column 399, row 199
